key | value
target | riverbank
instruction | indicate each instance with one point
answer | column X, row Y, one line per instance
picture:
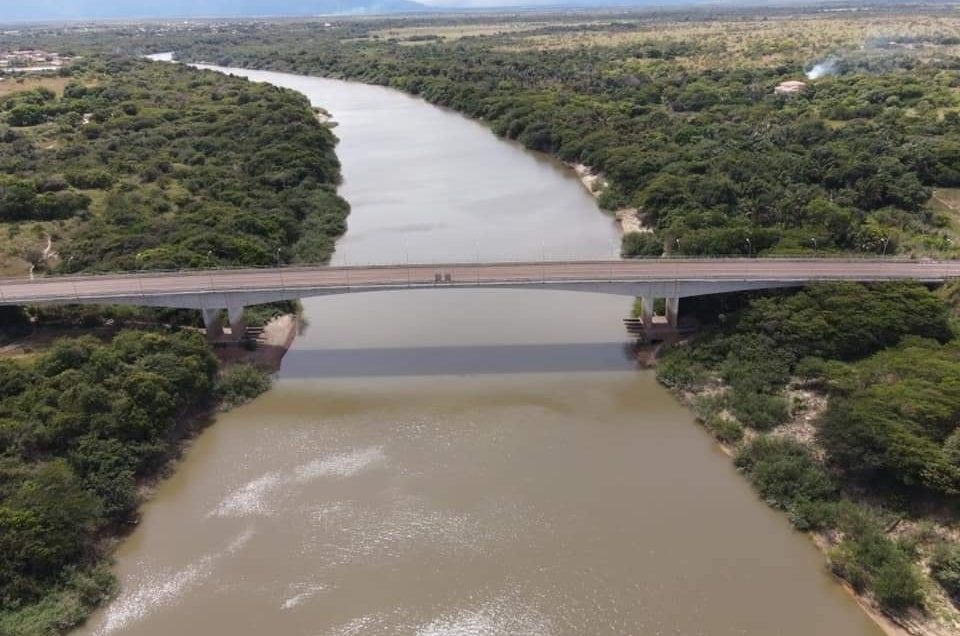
column 628, row 219
column 157, row 390
column 943, row 618
column 796, row 428
column 779, row 421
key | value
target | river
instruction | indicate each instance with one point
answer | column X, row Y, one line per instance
column 463, row 462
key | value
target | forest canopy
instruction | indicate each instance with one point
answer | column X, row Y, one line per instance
column 145, row 165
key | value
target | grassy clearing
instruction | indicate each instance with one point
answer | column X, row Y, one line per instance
column 23, row 244
column 457, row 31
column 947, row 201
column 757, row 43
column 11, row 85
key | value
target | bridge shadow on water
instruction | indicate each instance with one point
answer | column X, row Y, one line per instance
column 468, row 360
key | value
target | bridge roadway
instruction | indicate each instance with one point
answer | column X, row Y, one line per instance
column 653, row 278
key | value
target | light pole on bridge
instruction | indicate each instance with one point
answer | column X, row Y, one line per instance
column 140, row 273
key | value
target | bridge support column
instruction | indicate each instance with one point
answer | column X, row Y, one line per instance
column 646, row 312
column 213, row 323
column 237, row 324
column 673, row 311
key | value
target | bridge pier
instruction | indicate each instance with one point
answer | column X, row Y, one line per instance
column 646, row 312
column 237, row 324
column 673, row 311
column 213, row 323
column 649, row 325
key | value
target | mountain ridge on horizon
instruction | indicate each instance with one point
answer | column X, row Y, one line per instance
column 52, row 10
column 41, row 10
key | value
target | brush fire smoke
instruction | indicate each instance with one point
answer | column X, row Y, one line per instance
column 826, row 67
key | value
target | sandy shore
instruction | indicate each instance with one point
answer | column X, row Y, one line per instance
column 627, row 218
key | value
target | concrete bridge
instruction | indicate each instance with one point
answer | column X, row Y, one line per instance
column 671, row 279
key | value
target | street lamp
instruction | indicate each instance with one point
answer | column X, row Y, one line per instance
column 886, row 240
column 678, row 243
column 278, row 257
column 813, row 239
column 749, row 248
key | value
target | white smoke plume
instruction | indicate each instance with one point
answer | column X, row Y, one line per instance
column 826, row 67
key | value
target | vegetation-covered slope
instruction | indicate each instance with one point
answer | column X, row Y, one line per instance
column 141, row 165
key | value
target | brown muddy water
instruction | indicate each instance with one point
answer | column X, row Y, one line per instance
column 460, row 462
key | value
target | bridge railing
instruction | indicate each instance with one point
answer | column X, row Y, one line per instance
column 190, row 283
column 79, row 276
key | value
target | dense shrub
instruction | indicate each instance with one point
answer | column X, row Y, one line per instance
column 240, row 384
column 90, row 179
column 26, row 115
column 726, row 431
column 641, row 244
column 898, row 586
column 868, row 560
column 893, row 426
column 945, row 568
column 846, row 320
column 754, row 363
column 759, row 411
column 681, row 369
column 784, row 473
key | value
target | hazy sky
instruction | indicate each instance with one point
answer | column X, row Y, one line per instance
column 103, row 8
column 485, row 3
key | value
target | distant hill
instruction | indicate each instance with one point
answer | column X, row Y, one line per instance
column 40, row 10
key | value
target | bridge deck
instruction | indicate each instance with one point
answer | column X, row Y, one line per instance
column 772, row 272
